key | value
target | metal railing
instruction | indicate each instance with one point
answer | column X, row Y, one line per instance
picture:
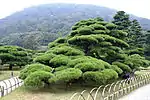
column 113, row 91
column 7, row 86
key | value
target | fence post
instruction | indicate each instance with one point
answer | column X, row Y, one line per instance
column 6, row 87
column 98, row 91
column 2, row 91
column 15, row 82
column 10, row 84
column 90, row 94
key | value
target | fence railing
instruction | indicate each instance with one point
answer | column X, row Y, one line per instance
column 113, row 91
column 7, row 86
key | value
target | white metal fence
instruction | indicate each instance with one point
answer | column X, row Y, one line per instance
column 7, row 86
column 113, row 91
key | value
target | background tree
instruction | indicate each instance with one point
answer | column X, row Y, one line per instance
column 122, row 20
column 14, row 56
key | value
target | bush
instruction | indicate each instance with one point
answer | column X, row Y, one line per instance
column 109, row 75
column 118, row 34
column 98, row 27
column 117, row 69
column 84, row 59
column 123, row 66
column 74, row 32
column 100, row 77
column 19, row 53
column 135, row 61
column 99, row 32
column 59, row 60
column 85, row 30
column 89, row 66
column 82, row 40
column 66, row 75
column 37, row 79
column 91, row 77
column 32, row 68
column 66, row 50
column 6, row 57
column 56, row 42
column 111, row 26
column 61, row 68
column 45, row 58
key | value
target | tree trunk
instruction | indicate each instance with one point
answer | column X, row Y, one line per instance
column 10, row 67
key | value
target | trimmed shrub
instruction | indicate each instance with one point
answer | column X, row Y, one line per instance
column 89, row 66
column 66, row 50
column 57, row 42
column 37, row 79
column 135, row 61
column 98, row 27
column 91, row 77
column 111, row 26
column 61, row 68
column 59, row 60
column 123, row 66
column 117, row 69
column 82, row 40
column 67, row 75
column 99, row 32
column 45, row 58
column 100, row 77
column 73, row 33
column 32, row 68
column 6, row 57
column 85, row 30
column 109, row 75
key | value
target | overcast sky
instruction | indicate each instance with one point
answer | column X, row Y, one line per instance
column 137, row 7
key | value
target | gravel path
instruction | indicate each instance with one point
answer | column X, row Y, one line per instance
column 142, row 93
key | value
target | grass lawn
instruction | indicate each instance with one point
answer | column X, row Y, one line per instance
column 45, row 94
column 7, row 74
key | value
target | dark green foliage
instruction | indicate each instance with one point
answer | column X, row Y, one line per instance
column 135, row 61
column 98, row 27
column 123, row 66
column 37, row 79
column 45, row 58
column 56, row 42
column 117, row 69
column 14, row 56
column 136, row 36
column 61, row 68
column 83, row 40
column 98, row 77
column 33, row 68
column 118, row 34
column 6, row 57
column 66, row 75
column 99, row 32
column 59, row 60
column 121, row 19
column 66, row 50
column 81, row 60
column 88, row 66
column 139, row 51
column 85, row 30
column 111, row 26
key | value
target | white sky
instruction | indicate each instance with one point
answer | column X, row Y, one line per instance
column 137, row 7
